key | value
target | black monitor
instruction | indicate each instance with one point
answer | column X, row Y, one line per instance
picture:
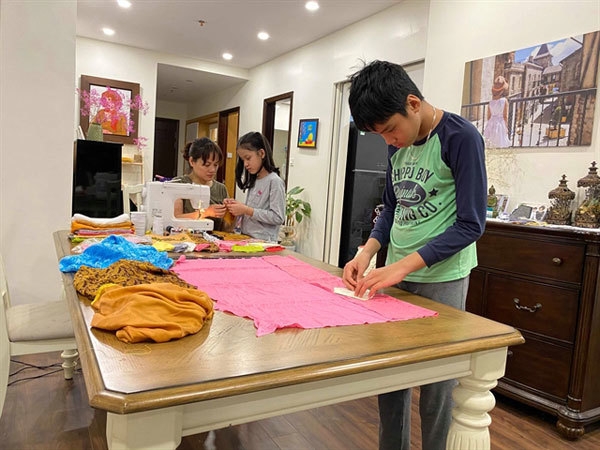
column 97, row 179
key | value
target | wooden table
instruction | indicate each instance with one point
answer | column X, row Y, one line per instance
column 224, row 375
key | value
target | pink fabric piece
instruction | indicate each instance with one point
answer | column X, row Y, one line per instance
column 225, row 246
column 281, row 291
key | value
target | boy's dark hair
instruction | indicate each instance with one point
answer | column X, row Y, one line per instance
column 202, row 148
column 253, row 141
column 378, row 91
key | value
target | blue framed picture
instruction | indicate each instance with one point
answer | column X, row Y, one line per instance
column 307, row 133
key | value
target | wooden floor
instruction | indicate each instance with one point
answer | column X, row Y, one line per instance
column 51, row 413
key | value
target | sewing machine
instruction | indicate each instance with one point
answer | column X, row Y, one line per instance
column 159, row 200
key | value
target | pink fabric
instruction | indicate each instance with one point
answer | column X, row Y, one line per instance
column 281, row 291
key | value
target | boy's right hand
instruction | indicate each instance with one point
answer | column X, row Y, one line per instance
column 354, row 270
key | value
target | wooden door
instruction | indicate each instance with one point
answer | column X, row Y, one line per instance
column 227, row 139
column 166, row 145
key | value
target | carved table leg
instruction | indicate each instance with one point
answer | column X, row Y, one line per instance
column 69, row 362
column 473, row 400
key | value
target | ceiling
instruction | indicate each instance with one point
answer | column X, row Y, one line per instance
column 172, row 26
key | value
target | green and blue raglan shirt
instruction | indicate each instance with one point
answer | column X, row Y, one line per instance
column 435, row 201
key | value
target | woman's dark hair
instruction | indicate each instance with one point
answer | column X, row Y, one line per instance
column 377, row 92
column 202, row 148
column 253, row 141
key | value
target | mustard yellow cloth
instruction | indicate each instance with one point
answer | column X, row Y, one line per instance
column 156, row 312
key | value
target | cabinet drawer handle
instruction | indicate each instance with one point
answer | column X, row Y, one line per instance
column 526, row 308
column 556, row 261
column 509, row 353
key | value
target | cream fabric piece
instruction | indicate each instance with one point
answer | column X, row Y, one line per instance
column 53, row 315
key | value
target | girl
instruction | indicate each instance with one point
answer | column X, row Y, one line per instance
column 264, row 211
column 496, row 129
column 204, row 157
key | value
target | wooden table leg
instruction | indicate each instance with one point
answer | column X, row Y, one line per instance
column 473, row 400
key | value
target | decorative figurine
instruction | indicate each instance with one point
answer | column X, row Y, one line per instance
column 588, row 213
column 492, row 202
column 559, row 212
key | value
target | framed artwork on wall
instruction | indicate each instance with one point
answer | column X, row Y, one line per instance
column 307, row 133
column 110, row 103
column 543, row 95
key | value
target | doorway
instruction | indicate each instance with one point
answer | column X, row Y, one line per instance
column 166, row 143
column 277, row 122
column 223, row 128
column 338, row 161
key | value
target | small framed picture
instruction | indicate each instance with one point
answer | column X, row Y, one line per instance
column 307, row 133
column 530, row 211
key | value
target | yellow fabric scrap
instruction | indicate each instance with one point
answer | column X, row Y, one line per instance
column 248, row 248
column 163, row 246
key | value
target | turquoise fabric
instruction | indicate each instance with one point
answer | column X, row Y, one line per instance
column 112, row 249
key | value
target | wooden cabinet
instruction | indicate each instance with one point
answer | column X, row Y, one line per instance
column 544, row 281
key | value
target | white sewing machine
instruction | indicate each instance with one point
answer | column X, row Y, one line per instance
column 159, row 200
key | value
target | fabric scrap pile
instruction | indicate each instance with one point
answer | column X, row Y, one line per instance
column 138, row 300
column 82, row 225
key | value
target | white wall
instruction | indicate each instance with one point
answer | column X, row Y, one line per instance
column 473, row 30
column 397, row 34
column 37, row 67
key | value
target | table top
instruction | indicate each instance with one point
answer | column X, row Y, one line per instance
column 226, row 357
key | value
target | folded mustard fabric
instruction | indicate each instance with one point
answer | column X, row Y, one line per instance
column 156, row 312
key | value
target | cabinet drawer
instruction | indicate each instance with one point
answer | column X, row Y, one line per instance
column 563, row 262
column 541, row 366
column 557, row 316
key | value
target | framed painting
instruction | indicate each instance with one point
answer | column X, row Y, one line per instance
column 109, row 103
column 538, row 96
column 307, row 133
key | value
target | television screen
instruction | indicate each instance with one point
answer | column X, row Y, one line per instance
column 97, row 179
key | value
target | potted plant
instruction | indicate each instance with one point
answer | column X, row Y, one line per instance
column 296, row 209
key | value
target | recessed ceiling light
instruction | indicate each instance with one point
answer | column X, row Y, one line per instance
column 312, row 6
column 124, row 3
column 108, row 31
column 227, row 56
column 263, row 35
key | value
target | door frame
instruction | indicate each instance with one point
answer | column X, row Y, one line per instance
column 268, row 125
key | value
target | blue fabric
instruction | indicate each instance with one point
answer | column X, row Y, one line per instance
column 112, row 249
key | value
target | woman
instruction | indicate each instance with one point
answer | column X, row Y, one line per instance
column 204, row 157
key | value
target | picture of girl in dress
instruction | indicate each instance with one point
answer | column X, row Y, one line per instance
column 496, row 128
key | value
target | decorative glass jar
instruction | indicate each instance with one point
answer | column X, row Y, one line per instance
column 559, row 212
column 588, row 213
column 95, row 132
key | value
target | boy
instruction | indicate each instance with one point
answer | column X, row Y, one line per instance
column 434, row 210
